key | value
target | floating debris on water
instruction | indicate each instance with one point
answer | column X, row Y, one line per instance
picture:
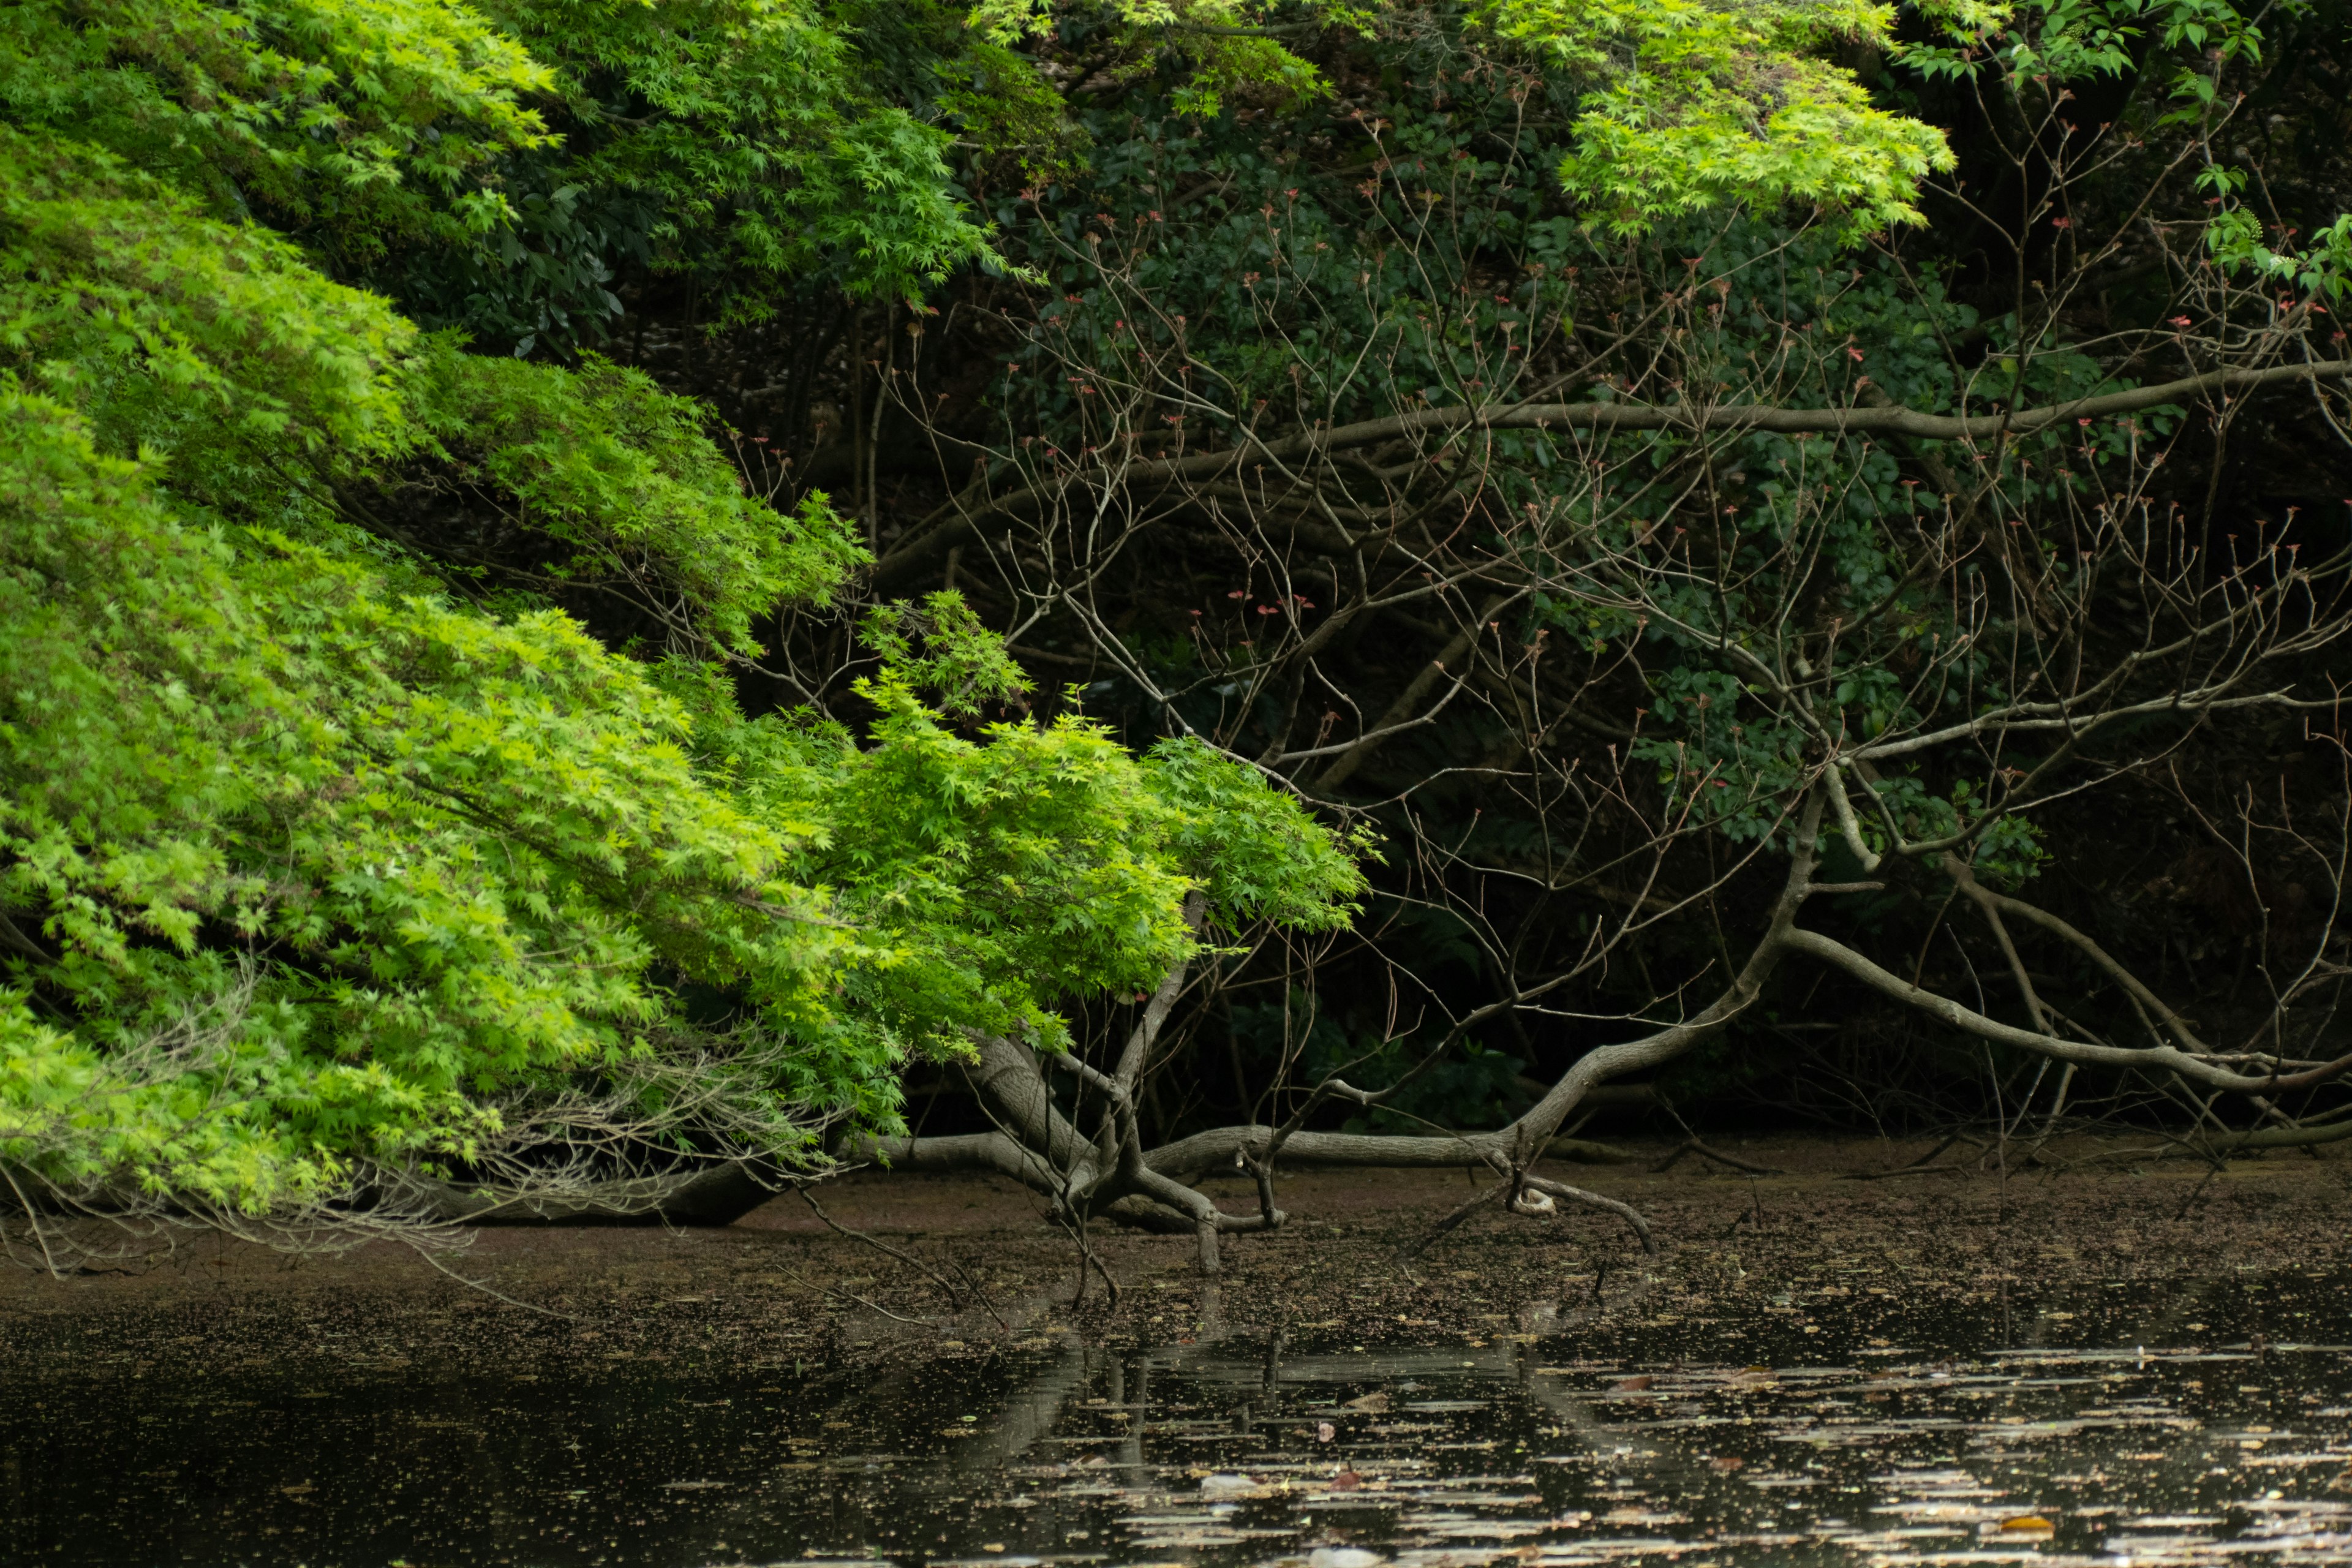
column 1241, row 1453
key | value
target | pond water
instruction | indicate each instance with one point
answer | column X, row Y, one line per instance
column 2123, row 1425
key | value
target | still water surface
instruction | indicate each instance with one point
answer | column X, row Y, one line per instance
column 1826, row 1430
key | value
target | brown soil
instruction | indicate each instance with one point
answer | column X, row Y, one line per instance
column 781, row 1286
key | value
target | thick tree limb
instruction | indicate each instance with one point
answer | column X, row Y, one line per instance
column 1217, row 1149
column 714, row 1194
column 1626, row 1212
column 2149, row 1058
column 2152, row 1007
column 932, row 542
column 1895, row 420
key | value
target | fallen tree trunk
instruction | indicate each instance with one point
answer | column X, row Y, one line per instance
column 715, row 1194
column 1218, row 1148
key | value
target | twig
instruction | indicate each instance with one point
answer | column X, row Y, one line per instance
column 954, row 1296
column 1692, row 1146
column 1086, row 1255
column 1918, row 1165
column 1422, row 1243
column 427, row 1254
column 33, row 1223
column 869, row 1306
column 2189, row 1202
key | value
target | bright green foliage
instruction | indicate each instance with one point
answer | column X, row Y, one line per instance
column 410, row 860
column 354, row 122
column 497, row 170
column 962, row 664
column 444, row 849
column 176, row 332
column 749, row 128
column 624, row 478
column 1685, row 105
column 987, row 878
column 308, row 863
column 215, row 343
column 494, row 164
column 1225, row 50
column 1244, row 843
column 1700, row 104
column 397, row 863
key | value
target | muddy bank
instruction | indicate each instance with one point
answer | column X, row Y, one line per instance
column 1742, row 1258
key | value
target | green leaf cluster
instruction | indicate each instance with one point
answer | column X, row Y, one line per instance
column 1702, row 103
column 316, row 858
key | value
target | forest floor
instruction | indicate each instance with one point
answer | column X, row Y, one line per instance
column 1768, row 1251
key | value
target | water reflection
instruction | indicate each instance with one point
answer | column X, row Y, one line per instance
column 2124, row 1431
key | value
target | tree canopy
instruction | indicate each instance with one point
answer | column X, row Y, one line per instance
column 321, row 854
